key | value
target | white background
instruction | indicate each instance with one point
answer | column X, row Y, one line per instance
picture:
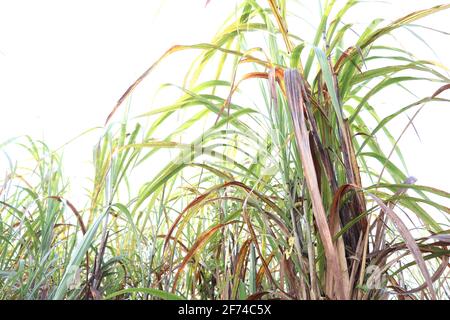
column 64, row 64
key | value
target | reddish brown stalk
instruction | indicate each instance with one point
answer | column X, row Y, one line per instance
column 297, row 107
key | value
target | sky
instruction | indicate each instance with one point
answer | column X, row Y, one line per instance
column 64, row 64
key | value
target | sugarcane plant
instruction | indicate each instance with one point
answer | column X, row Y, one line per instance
column 282, row 181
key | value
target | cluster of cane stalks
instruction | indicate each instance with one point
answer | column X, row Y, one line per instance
column 282, row 182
